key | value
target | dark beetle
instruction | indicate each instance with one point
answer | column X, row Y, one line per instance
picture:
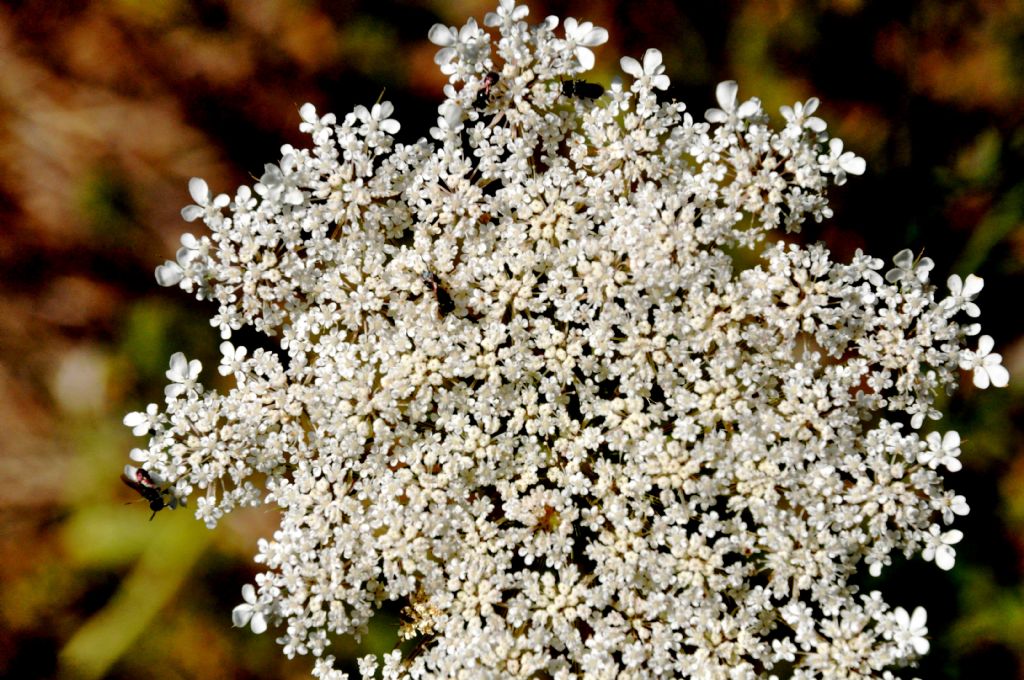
column 582, row 89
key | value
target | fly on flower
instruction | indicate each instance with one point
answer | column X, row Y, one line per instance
column 582, row 89
column 484, row 95
column 445, row 304
column 158, row 496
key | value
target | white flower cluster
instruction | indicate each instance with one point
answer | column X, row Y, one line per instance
column 525, row 392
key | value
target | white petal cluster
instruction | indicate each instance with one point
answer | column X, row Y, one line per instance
column 581, row 36
column 911, row 629
column 650, row 74
column 520, row 387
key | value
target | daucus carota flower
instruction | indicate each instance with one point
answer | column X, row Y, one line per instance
column 524, row 392
column 650, row 74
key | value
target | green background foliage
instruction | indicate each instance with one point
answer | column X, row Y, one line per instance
column 106, row 110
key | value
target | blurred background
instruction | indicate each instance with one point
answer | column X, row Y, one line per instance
column 106, row 110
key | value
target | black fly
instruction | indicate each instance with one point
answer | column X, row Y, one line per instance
column 445, row 305
column 582, row 89
column 484, row 94
column 150, row 490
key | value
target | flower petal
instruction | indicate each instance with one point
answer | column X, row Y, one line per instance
column 998, row 375
column 652, row 60
column 748, row 108
column 725, row 93
column 198, row 189
column 594, row 37
column 241, row 615
column 178, row 367
column 258, row 623
column 919, row 618
column 169, row 274
column 945, row 558
column 585, row 57
column 631, row 67
column 190, row 213
column 440, row 34
column 853, row 164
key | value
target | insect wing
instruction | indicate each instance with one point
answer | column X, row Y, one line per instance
column 134, row 484
column 150, row 488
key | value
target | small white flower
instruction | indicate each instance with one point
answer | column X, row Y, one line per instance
column 449, row 124
column 939, row 547
column 447, row 37
column 726, row 93
column 840, row 163
column 799, row 115
column 279, row 184
column 507, row 14
column 942, row 450
column 377, row 118
column 318, row 127
column 170, row 273
column 581, row 36
column 323, row 669
column 142, row 422
column 468, row 42
column 367, row 666
column 650, row 74
column 953, row 505
column 986, row 364
column 962, row 292
column 907, row 269
column 911, row 629
column 206, row 203
column 182, row 374
column 251, row 612
column 784, row 649
column 231, row 358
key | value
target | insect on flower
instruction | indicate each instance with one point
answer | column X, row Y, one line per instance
column 150, row 490
column 582, row 89
column 445, row 305
column 484, row 95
